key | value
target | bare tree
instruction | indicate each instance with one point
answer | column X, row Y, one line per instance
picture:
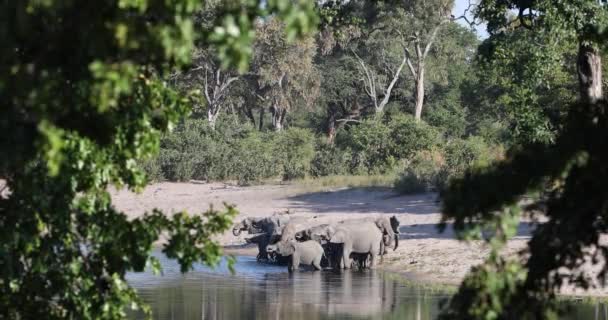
column 371, row 82
column 416, row 24
column 416, row 64
column 212, row 81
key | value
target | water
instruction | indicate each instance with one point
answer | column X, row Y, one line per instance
column 260, row 291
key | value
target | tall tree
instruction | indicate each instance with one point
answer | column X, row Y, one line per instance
column 567, row 179
column 210, row 81
column 284, row 70
column 381, row 75
column 420, row 22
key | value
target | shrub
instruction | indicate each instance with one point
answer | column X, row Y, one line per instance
column 153, row 169
column 253, row 159
column 460, row 154
column 449, row 117
column 423, row 173
column 329, row 160
column 408, row 137
column 294, row 150
column 369, row 142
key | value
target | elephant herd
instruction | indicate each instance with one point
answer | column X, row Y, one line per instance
column 289, row 241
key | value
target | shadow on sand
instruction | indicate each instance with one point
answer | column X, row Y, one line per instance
column 365, row 200
column 430, row 231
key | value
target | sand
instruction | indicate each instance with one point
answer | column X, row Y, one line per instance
column 424, row 252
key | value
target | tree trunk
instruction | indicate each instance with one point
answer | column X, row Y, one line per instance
column 249, row 114
column 262, row 112
column 212, row 117
column 419, row 94
column 589, row 67
column 278, row 117
column 331, row 128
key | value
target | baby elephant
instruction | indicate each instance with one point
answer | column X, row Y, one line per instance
column 308, row 253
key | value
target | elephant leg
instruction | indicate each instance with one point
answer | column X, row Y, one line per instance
column 372, row 259
column 317, row 264
column 295, row 262
column 346, row 259
column 290, row 267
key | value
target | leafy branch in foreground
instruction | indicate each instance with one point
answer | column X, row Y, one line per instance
column 568, row 179
column 83, row 101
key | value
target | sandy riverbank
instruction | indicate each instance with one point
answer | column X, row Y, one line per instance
column 433, row 256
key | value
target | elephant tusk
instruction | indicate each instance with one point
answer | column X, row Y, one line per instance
column 236, row 232
column 396, row 241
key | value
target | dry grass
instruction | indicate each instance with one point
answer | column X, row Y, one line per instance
column 333, row 182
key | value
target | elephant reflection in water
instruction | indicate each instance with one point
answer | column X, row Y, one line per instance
column 315, row 293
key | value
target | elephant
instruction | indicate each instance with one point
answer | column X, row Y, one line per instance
column 321, row 233
column 308, row 252
column 267, row 231
column 263, row 240
column 272, row 225
column 388, row 226
column 363, row 237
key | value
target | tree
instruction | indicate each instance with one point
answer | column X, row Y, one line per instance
column 284, row 70
column 208, row 76
column 84, row 99
column 416, row 24
column 565, row 178
column 376, row 47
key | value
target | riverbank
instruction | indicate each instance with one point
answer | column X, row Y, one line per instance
column 433, row 257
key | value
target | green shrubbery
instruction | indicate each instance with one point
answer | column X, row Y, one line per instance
column 235, row 152
column 240, row 152
column 430, row 170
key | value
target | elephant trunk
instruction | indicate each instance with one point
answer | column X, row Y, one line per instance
column 236, row 231
column 396, row 241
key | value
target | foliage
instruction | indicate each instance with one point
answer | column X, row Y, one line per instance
column 234, row 151
column 369, row 143
column 294, row 150
column 329, row 160
column 425, row 172
column 462, row 154
column 431, row 169
column 565, row 176
column 83, row 101
column 407, row 136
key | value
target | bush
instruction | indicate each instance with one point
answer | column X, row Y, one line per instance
column 253, row 159
column 370, row 144
column 152, row 169
column 422, row 174
column 408, row 137
column 460, row 154
column 329, row 160
column 294, row 150
column 450, row 118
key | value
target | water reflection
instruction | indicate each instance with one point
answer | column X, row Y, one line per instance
column 269, row 292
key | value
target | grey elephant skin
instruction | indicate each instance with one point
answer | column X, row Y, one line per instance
column 267, row 230
column 361, row 238
column 388, row 226
column 272, row 225
column 307, row 253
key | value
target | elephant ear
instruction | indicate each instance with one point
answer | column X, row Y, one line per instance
column 338, row 237
column 330, row 231
column 383, row 225
column 395, row 224
column 287, row 248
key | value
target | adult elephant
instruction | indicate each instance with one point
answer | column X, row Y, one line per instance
column 320, row 233
column 272, row 225
column 267, row 230
column 388, row 226
column 363, row 237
